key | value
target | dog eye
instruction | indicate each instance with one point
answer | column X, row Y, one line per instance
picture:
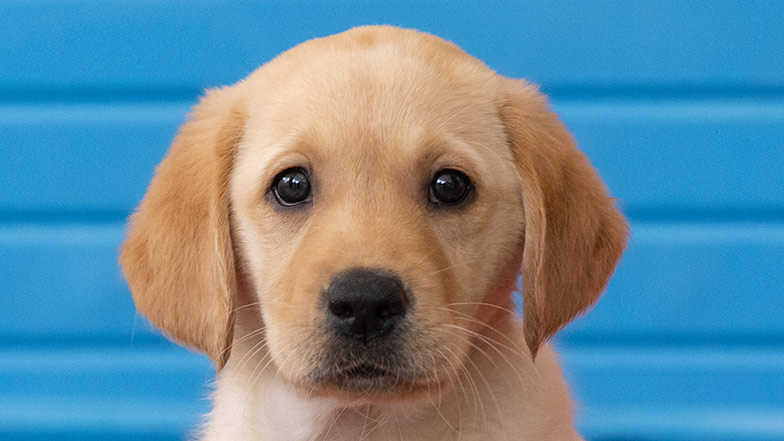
column 291, row 186
column 449, row 187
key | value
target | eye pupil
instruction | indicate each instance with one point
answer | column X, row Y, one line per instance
column 449, row 187
column 292, row 186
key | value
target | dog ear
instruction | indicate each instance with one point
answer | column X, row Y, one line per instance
column 177, row 256
column 574, row 235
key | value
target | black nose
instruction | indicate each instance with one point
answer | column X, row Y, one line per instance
column 365, row 304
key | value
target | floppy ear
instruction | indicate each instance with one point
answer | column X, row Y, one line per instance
column 574, row 235
column 178, row 256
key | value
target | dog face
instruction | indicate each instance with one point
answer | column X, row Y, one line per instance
column 407, row 200
column 382, row 191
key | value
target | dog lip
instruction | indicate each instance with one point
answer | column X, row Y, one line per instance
column 368, row 382
column 365, row 370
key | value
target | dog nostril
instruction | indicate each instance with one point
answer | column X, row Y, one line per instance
column 390, row 309
column 341, row 309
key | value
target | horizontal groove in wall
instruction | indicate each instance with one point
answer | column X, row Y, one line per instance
column 703, row 214
column 706, row 376
column 681, row 422
column 703, row 279
column 620, row 91
column 692, row 280
column 145, row 336
column 98, row 393
column 64, row 280
column 140, row 337
column 43, row 217
column 663, row 159
column 556, row 92
column 97, row 95
column 728, row 339
column 693, row 393
column 41, row 114
column 622, row 393
column 195, row 43
column 672, row 109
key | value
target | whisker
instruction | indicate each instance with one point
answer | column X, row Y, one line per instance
column 241, row 339
column 489, row 389
column 453, row 371
column 474, row 389
column 492, row 305
column 492, row 344
column 399, row 430
column 249, row 305
column 517, row 349
column 437, row 406
column 334, row 422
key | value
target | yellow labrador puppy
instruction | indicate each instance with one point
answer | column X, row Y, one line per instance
column 341, row 232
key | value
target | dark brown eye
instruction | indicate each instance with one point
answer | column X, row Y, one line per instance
column 291, row 186
column 449, row 187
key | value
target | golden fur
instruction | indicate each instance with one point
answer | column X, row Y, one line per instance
column 372, row 114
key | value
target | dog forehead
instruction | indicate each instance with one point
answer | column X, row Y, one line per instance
column 374, row 47
column 371, row 79
column 386, row 102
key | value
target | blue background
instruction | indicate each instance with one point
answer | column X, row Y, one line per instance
column 679, row 104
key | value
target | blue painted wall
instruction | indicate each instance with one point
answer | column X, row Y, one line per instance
column 679, row 104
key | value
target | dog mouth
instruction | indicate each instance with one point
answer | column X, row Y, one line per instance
column 363, row 377
column 364, row 371
column 368, row 382
column 375, row 371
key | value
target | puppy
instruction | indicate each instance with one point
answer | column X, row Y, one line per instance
column 342, row 231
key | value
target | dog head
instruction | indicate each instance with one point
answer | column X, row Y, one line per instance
column 383, row 191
